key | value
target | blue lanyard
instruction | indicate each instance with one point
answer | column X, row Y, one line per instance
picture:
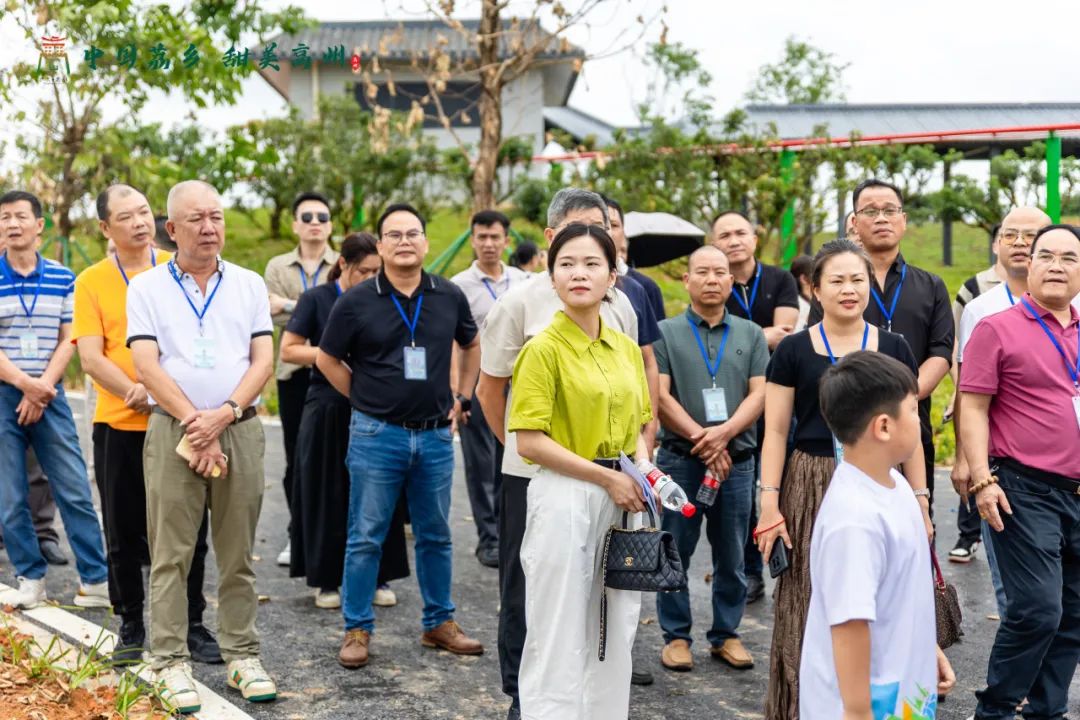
column 405, row 318
column 153, row 263
column 487, row 284
column 753, row 294
column 1074, row 371
column 1012, row 300
column 828, row 349
column 210, row 299
column 895, row 298
column 9, row 274
column 338, row 286
column 314, row 279
column 713, row 369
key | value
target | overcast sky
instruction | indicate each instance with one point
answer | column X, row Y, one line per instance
column 918, row 51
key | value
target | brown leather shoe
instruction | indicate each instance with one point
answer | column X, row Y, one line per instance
column 734, row 654
column 450, row 636
column 354, row 651
column 676, row 656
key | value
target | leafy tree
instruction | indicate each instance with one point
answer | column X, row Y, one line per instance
column 804, row 75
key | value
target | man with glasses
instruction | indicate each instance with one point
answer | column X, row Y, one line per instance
column 904, row 299
column 387, row 347
column 1020, row 405
column 1012, row 240
column 769, row 296
column 287, row 276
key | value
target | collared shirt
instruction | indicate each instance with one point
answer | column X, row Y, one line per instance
column 157, row 309
column 1031, row 414
column 366, row 330
column 285, row 276
column 54, row 307
column 776, row 289
column 482, row 290
column 648, row 332
column 101, row 311
column 309, row 322
column 522, row 314
column 589, row 396
column 656, row 296
column 976, row 285
column 746, row 355
column 983, row 306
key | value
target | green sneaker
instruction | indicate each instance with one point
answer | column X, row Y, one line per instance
column 177, row 688
column 253, row 682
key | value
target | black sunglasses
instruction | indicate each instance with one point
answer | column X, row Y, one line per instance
column 307, row 217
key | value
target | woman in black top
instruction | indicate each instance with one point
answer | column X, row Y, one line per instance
column 321, row 492
column 841, row 282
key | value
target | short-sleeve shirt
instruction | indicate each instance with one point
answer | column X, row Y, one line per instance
column 482, row 290
column 777, row 288
column 521, row 315
column 285, row 276
column 656, row 296
column 101, row 311
column 869, row 560
column 796, row 364
column 158, row 309
column 974, row 287
column 53, row 286
column 590, row 396
column 309, row 321
column 1031, row 413
column 746, row 355
column 648, row 332
column 366, row 330
column 984, row 305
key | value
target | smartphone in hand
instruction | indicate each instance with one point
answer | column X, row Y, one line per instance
column 778, row 560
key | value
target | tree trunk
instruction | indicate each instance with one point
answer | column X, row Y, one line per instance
column 275, row 219
column 483, row 176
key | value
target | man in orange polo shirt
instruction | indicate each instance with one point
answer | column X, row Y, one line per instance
column 120, row 420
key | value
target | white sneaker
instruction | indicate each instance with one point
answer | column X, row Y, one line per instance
column 384, row 597
column 29, row 594
column 95, row 595
column 177, row 688
column 329, row 600
column 253, row 682
column 285, row 556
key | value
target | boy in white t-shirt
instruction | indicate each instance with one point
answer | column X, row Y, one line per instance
column 869, row 652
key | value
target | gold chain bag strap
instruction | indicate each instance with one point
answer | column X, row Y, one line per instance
column 644, row 560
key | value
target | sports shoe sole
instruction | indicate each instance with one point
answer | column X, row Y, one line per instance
column 91, row 601
column 962, row 559
column 265, row 697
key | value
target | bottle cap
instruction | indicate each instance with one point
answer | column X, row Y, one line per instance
column 688, row 510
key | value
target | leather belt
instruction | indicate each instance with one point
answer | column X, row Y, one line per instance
column 682, row 449
column 1061, row 482
column 249, row 412
column 430, row 424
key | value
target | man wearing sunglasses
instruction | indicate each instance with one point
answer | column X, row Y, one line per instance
column 287, row 276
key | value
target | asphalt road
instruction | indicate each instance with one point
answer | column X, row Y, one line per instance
column 407, row 682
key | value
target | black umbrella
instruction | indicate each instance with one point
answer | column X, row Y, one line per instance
column 657, row 238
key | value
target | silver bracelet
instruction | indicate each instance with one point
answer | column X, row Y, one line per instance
column 769, row 488
column 925, row 492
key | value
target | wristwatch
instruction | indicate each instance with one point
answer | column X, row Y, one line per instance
column 466, row 403
column 290, row 306
column 236, row 411
column 925, row 492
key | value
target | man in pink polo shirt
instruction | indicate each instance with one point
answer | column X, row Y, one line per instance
column 1020, row 385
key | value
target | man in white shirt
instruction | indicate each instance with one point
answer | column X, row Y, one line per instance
column 201, row 339
column 484, row 282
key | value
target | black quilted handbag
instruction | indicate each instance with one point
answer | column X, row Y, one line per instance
column 644, row 560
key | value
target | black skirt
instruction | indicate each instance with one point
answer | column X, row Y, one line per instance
column 320, row 508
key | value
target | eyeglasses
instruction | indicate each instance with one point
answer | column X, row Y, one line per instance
column 872, row 213
column 1010, row 236
column 1068, row 260
column 395, row 236
column 309, row 217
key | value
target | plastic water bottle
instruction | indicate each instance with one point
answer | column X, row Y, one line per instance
column 710, row 486
column 671, row 495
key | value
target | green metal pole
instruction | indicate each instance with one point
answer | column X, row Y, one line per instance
column 787, row 223
column 1053, row 177
column 439, row 264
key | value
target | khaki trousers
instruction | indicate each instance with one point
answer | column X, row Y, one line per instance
column 175, row 500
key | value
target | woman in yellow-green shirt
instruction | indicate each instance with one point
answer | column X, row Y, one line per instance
column 579, row 398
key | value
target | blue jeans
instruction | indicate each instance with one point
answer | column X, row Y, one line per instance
column 56, row 443
column 382, row 459
column 728, row 521
column 1037, row 646
column 991, row 560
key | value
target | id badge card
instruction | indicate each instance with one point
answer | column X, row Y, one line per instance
column 1076, row 408
column 838, row 450
column 205, row 352
column 715, row 405
column 415, row 363
column 28, row 345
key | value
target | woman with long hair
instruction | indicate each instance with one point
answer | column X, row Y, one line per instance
column 792, row 488
column 578, row 400
column 321, row 492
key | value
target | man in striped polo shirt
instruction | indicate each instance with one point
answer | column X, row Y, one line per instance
column 36, row 301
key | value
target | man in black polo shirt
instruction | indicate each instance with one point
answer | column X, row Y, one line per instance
column 396, row 332
column 904, row 299
column 769, row 296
